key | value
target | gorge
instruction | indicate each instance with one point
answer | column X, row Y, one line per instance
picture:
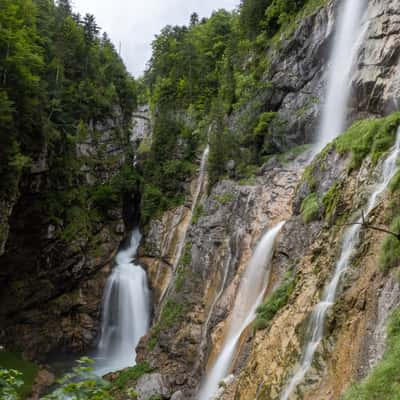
column 224, row 227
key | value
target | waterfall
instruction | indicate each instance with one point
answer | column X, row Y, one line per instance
column 350, row 241
column 126, row 311
column 346, row 41
column 250, row 295
column 199, row 187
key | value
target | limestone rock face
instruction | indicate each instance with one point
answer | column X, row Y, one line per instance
column 51, row 286
column 151, row 385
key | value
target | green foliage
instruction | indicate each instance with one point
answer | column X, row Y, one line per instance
column 384, row 380
column 10, row 384
column 81, row 384
column 130, row 376
column 171, row 313
column 394, row 185
column 198, row 213
column 278, row 299
column 371, row 137
column 26, row 369
column 331, row 201
column 390, row 251
column 224, row 198
column 310, row 208
column 60, row 82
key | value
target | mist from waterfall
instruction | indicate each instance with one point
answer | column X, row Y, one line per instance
column 350, row 240
column 250, row 295
column 126, row 311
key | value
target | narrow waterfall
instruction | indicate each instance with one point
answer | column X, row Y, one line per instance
column 126, row 311
column 182, row 239
column 350, row 241
column 346, row 43
column 250, row 295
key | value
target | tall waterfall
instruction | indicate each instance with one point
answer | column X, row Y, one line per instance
column 350, row 241
column 249, row 297
column 346, row 40
column 126, row 311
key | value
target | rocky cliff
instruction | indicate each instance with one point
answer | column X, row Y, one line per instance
column 190, row 321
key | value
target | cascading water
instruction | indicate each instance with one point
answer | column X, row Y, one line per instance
column 350, row 241
column 343, row 54
column 249, row 297
column 126, row 311
column 199, row 187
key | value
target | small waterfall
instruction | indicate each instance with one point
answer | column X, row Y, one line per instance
column 126, row 311
column 250, row 295
column 199, row 187
column 350, row 241
column 346, row 43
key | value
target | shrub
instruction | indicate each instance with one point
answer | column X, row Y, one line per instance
column 278, row 299
column 310, row 208
column 368, row 137
column 390, row 251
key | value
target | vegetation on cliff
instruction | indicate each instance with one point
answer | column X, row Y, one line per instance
column 61, row 85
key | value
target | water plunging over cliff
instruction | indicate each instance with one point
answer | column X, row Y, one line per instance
column 343, row 54
column 350, row 241
column 249, row 297
column 126, row 311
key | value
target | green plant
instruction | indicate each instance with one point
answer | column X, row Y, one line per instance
column 390, row 251
column 198, row 213
column 394, row 184
column 278, row 299
column 310, row 208
column 131, row 375
column 10, row 384
column 331, row 201
column 81, row 384
column 27, row 370
column 368, row 137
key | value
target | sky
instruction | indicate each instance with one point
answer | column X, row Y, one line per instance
column 133, row 23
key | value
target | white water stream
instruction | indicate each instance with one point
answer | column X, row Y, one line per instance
column 126, row 311
column 196, row 195
column 350, row 242
column 250, row 295
column 347, row 39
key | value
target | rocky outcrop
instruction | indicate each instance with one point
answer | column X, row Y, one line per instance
column 51, row 283
column 219, row 243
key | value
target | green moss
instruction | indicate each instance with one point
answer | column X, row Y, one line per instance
column 171, row 313
column 368, row 137
column 130, row 376
column 390, row 251
column 383, row 383
column 198, row 213
column 278, row 299
column 224, row 198
column 28, row 369
column 310, row 208
column 394, row 185
column 331, row 200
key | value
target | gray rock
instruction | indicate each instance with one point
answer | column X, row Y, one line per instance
column 150, row 385
column 177, row 396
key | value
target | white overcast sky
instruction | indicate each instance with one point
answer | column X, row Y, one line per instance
column 135, row 22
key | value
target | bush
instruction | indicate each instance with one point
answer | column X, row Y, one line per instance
column 368, row 137
column 390, row 251
column 310, row 208
column 26, row 375
column 10, row 384
column 278, row 299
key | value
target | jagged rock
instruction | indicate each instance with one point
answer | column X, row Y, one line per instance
column 178, row 396
column 151, row 385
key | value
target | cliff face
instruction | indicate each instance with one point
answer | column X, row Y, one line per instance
column 52, row 285
column 183, row 344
